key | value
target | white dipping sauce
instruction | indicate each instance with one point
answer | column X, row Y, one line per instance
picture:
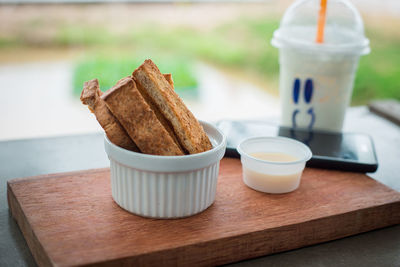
column 274, row 156
column 272, row 183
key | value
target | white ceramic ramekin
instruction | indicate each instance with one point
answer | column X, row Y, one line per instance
column 166, row 186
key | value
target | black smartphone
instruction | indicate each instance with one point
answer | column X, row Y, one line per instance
column 340, row 151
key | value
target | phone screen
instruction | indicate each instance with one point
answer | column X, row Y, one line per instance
column 345, row 151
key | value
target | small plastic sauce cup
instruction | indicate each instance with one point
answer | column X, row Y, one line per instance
column 273, row 175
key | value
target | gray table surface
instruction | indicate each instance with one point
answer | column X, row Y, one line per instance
column 22, row 158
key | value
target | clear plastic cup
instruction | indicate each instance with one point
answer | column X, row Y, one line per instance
column 316, row 79
column 273, row 176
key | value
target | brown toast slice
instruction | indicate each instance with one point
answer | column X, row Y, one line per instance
column 139, row 120
column 164, row 122
column 90, row 96
column 187, row 129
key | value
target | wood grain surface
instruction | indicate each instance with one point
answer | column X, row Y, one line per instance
column 70, row 219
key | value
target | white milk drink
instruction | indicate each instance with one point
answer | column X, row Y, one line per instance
column 316, row 79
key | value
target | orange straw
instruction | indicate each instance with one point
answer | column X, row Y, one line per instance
column 321, row 22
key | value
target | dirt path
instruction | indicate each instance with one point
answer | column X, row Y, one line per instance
column 37, row 102
column 43, row 20
column 226, row 97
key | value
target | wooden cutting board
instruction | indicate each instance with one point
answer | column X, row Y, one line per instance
column 70, row 219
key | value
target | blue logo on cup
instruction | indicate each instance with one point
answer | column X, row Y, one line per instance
column 308, row 93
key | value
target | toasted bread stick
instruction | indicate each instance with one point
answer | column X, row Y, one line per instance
column 187, row 129
column 115, row 132
column 168, row 77
column 139, row 120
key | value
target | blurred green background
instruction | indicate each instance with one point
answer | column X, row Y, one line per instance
column 240, row 46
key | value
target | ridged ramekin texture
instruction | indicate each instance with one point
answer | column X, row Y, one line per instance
column 166, row 186
column 163, row 195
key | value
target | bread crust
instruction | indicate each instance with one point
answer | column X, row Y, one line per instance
column 115, row 132
column 187, row 129
column 139, row 120
column 168, row 77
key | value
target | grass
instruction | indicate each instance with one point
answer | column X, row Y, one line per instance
column 378, row 75
column 241, row 45
column 112, row 66
column 176, row 50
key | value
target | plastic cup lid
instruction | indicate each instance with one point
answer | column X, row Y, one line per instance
column 344, row 28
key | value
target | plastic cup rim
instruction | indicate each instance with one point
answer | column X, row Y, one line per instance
column 306, row 149
column 356, row 48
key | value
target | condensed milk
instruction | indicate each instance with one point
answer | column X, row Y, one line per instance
column 276, row 157
column 273, row 164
